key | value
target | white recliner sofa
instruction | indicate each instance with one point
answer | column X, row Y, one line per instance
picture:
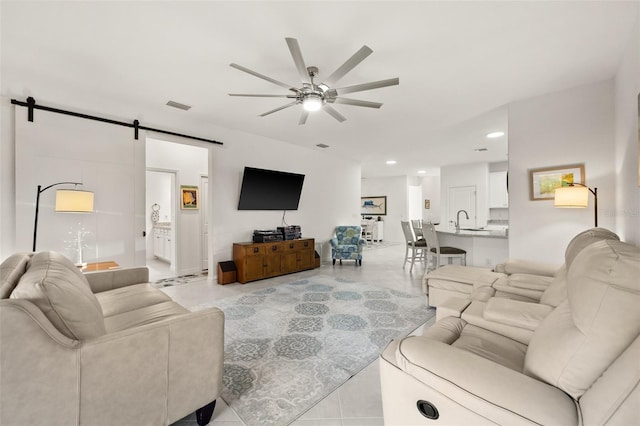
column 104, row 348
column 581, row 367
column 515, row 318
column 452, row 288
column 527, row 281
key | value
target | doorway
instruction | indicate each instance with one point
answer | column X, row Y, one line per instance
column 161, row 196
column 188, row 164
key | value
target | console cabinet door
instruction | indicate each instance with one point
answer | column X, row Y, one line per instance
column 290, row 258
column 304, row 255
column 273, row 260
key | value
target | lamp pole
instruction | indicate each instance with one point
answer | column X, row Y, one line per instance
column 40, row 191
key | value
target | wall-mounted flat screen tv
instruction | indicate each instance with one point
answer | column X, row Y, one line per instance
column 270, row 190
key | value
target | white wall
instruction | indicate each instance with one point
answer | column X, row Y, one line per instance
column 330, row 193
column 330, row 196
column 627, row 104
column 567, row 127
column 395, row 188
column 431, row 192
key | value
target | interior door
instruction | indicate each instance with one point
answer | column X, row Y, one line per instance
column 462, row 198
column 204, row 195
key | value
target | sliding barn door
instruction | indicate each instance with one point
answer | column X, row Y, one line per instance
column 107, row 160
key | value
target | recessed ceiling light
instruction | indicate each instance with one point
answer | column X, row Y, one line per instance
column 495, row 135
column 391, row 162
column 422, row 172
column 480, row 149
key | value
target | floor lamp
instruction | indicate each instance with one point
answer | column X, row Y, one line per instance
column 67, row 200
column 576, row 195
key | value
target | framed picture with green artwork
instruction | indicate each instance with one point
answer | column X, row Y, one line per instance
column 544, row 181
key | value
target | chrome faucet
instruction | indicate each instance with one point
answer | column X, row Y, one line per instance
column 458, row 218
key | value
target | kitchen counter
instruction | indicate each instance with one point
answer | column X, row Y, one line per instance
column 485, row 248
column 481, row 233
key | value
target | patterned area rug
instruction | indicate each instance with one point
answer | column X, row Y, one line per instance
column 289, row 346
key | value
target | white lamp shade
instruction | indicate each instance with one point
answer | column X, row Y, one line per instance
column 74, row 201
column 572, row 197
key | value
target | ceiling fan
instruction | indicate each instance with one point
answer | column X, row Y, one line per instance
column 314, row 96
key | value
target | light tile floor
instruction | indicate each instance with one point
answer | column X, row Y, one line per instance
column 358, row 402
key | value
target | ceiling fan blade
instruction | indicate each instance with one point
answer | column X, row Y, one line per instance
column 350, row 64
column 296, row 53
column 251, row 95
column 264, row 77
column 332, row 112
column 279, row 108
column 368, row 86
column 303, row 117
column 357, row 102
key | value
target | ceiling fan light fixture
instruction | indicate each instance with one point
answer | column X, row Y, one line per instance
column 312, row 102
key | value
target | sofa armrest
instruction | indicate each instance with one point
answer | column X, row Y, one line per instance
column 483, row 386
column 452, row 307
column 515, row 266
column 38, row 364
column 515, row 313
column 108, row 280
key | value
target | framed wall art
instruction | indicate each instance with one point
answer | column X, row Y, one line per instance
column 190, row 197
column 370, row 206
column 544, row 181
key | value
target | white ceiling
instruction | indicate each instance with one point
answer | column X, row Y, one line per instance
column 459, row 64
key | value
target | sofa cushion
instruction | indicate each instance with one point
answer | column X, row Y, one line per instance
column 62, row 293
column 10, row 272
column 530, row 281
column 486, row 344
column 143, row 316
column 129, row 298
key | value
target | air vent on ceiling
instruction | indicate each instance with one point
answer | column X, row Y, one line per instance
column 480, row 149
column 179, row 105
column 321, row 145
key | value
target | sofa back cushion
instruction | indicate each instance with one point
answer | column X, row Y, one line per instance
column 585, row 334
column 583, row 239
column 556, row 293
column 11, row 270
column 62, row 293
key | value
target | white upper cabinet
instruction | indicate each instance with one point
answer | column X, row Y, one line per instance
column 498, row 196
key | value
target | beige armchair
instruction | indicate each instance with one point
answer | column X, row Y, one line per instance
column 101, row 349
column 579, row 368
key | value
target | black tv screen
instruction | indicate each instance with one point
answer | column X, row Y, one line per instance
column 269, row 190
